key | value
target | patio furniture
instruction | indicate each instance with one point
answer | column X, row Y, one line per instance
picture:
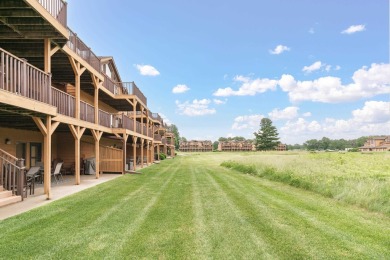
column 57, row 172
column 31, row 176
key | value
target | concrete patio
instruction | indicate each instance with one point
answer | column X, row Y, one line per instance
column 58, row 191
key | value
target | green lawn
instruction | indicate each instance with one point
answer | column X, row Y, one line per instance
column 192, row 208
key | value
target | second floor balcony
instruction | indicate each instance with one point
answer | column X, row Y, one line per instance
column 124, row 88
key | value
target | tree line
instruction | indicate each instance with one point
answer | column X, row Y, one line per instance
column 267, row 138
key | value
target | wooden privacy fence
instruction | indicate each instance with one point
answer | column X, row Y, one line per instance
column 111, row 159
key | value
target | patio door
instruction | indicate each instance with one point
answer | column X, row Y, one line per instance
column 35, row 153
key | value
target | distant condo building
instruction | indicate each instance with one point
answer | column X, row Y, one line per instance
column 376, row 144
column 236, row 146
column 196, row 146
column 281, row 147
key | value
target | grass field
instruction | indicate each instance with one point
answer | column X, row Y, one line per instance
column 361, row 179
column 192, row 208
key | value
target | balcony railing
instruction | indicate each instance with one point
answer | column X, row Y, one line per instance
column 132, row 89
column 138, row 127
column 87, row 112
column 157, row 138
column 128, row 123
column 19, row 77
column 64, row 102
column 123, row 88
column 151, row 132
column 156, row 116
column 57, row 9
column 164, row 140
column 104, row 118
column 79, row 47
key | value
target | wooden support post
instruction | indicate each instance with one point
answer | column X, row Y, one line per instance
column 47, row 130
column 78, row 71
column 142, row 152
column 77, row 133
column 97, row 84
column 124, row 149
column 97, row 135
column 147, row 153
column 48, row 52
column 135, row 152
column 135, row 114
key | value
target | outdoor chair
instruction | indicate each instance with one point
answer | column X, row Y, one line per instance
column 31, row 176
column 57, row 172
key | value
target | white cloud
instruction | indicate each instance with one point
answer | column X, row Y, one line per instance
column 307, row 114
column 147, row 70
column 373, row 112
column 180, row 89
column 367, row 82
column 287, row 113
column 311, row 30
column 249, row 87
column 165, row 119
column 279, row 49
column 372, row 119
column 219, row 102
column 354, row 28
column 195, row 108
column 247, row 122
column 313, row 67
column 337, row 67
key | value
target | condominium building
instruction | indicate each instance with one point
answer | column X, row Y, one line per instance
column 59, row 101
column 196, row 146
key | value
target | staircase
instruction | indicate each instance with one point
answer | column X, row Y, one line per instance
column 7, row 198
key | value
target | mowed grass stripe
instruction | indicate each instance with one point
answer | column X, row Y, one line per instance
column 167, row 231
column 316, row 222
column 202, row 242
column 71, row 220
column 228, row 231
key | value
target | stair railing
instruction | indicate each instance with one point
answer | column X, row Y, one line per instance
column 12, row 173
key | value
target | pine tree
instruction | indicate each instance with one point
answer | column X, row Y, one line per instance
column 267, row 136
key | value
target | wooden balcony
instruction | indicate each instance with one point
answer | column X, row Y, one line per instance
column 33, row 20
column 104, row 118
column 19, row 77
column 123, row 88
column 81, row 49
column 57, row 9
column 157, row 138
column 156, row 117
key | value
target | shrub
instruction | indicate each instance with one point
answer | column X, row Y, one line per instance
column 163, row 156
column 249, row 169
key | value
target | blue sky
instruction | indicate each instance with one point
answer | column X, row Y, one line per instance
column 215, row 68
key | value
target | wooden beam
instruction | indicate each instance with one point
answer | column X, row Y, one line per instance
column 77, row 133
column 97, row 135
column 54, row 126
column 124, row 149
column 135, row 152
column 46, row 55
column 40, row 125
column 142, row 153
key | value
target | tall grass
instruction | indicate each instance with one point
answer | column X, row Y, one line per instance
column 354, row 178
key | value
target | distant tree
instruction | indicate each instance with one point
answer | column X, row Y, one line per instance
column 360, row 141
column 215, row 145
column 267, row 136
column 183, row 139
column 173, row 129
column 311, row 144
column 222, row 139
